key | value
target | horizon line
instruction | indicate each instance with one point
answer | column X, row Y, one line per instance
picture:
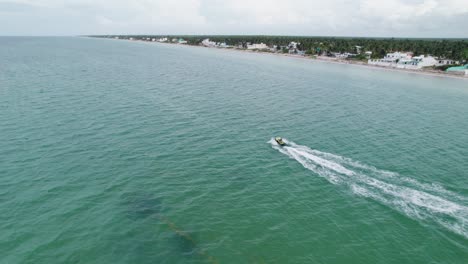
column 243, row 35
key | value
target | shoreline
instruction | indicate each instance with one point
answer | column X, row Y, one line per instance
column 321, row 59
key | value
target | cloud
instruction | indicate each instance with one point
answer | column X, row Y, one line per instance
column 399, row 9
column 293, row 17
column 104, row 21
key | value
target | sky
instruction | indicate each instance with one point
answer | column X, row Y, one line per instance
column 364, row 18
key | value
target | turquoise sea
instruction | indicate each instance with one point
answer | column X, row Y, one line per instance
column 129, row 152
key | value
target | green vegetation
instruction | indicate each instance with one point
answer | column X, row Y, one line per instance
column 444, row 48
column 360, row 57
column 444, row 67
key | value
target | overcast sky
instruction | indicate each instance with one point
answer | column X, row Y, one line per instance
column 379, row 18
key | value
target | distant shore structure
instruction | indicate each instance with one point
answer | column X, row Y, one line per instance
column 459, row 69
column 406, row 60
column 261, row 46
column 323, row 50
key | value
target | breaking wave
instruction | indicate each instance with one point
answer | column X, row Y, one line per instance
column 417, row 200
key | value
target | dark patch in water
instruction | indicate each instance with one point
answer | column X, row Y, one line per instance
column 184, row 243
column 142, row 205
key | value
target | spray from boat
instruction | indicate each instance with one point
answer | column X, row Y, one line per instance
column 417, row 200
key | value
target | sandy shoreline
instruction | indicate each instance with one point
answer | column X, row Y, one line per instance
column 323, row 59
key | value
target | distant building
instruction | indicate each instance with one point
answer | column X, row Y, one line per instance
column 405, row 60
column 368, row 54
column 293, row 47
column 391, row 59
column 162, row 40
column 224, row 45
column 442, row 62
column 417, row 62
column 459, row 69
column 182, row 41
column 344, row 55
column 261, row 46
column 208, row 43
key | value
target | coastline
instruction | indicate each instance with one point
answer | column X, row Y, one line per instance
column 322, row 59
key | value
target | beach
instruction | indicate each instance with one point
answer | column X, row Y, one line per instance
column 326, row 59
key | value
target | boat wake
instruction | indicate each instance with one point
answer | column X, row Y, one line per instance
column 417, row 200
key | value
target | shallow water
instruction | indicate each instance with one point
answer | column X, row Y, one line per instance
column 128, row 152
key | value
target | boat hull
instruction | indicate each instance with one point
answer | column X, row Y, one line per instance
column 280, row 142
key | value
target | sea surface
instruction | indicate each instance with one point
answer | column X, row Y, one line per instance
column 130, row 152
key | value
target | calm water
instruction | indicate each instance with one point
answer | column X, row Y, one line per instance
column 126, row 152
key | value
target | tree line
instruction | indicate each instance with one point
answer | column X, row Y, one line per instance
column 456, row 49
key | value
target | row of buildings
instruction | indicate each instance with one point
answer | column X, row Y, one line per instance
column 406, row 60
column 174, row 40
column 249, row 46
column 292, row 47
column 209, row 43
column 162, row 40
column 401, row 60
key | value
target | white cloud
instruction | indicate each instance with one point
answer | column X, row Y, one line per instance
column 305, row 17
column 400, row 9
column 104, row 21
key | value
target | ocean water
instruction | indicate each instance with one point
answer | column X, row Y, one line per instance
column 129, row 152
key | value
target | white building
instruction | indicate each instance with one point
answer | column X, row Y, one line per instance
column 254, row 46
column 441, row 62
column 274, row 48
column 391, row 59
column 293, row 45
column 162, row 40
column 208, row 43
column 182, row 41
column 344, row 55
column 405, row 60
column 417, row 62
column 224, row 45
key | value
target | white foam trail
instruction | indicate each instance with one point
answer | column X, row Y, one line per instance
column 421, row 201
